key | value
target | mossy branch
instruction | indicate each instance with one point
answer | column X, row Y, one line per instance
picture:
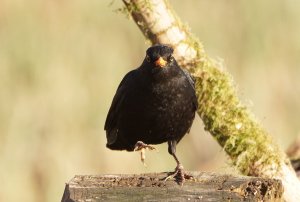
column 250, row 147
column 233, row 126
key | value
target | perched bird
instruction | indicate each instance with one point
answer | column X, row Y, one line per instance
column 154, row 103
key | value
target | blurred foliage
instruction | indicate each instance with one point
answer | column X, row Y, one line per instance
column 61, row 62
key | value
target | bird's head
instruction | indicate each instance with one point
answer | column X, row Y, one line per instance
column 159, row 55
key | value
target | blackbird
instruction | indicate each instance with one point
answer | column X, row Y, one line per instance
column 154, row 103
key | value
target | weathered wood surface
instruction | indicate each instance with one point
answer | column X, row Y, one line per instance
column 152, row 187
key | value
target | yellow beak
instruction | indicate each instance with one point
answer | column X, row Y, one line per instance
column 160, row 62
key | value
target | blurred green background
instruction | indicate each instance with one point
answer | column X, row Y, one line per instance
column 61, row 62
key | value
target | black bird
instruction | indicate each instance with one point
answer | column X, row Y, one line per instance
column 154, row 103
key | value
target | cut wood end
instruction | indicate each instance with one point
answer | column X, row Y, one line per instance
column 151, row 186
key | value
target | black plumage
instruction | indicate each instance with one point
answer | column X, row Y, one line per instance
column 154, row 103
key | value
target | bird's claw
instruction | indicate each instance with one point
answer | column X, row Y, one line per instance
column 140, row 146
column 179, row 175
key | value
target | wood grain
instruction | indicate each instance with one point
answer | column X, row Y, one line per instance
column 152, row 187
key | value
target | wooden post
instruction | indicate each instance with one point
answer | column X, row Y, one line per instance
column 152, row 187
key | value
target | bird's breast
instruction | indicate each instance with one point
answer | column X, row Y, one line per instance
column 172, row 95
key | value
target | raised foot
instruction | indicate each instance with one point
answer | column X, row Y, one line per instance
column 179, row 175
column 140, row 146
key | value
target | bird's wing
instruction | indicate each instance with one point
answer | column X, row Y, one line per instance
column 192, row 82
column 117, row 104
column 189, row 77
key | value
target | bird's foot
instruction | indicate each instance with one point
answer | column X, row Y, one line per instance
column 179, row 175
column 140, row 146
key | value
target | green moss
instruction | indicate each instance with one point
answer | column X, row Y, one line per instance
column 131, row 7
column 126, row 10
column 231, row 124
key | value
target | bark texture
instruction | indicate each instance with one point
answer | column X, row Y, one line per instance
column 247, row 143
column 152, row 187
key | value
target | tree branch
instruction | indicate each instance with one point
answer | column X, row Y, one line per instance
column 249, row 146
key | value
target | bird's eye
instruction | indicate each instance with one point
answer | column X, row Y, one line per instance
column 171, row 59
column 147, row 58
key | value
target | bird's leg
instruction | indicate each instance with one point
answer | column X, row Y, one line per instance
column 179, row 173
column 140, row 146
